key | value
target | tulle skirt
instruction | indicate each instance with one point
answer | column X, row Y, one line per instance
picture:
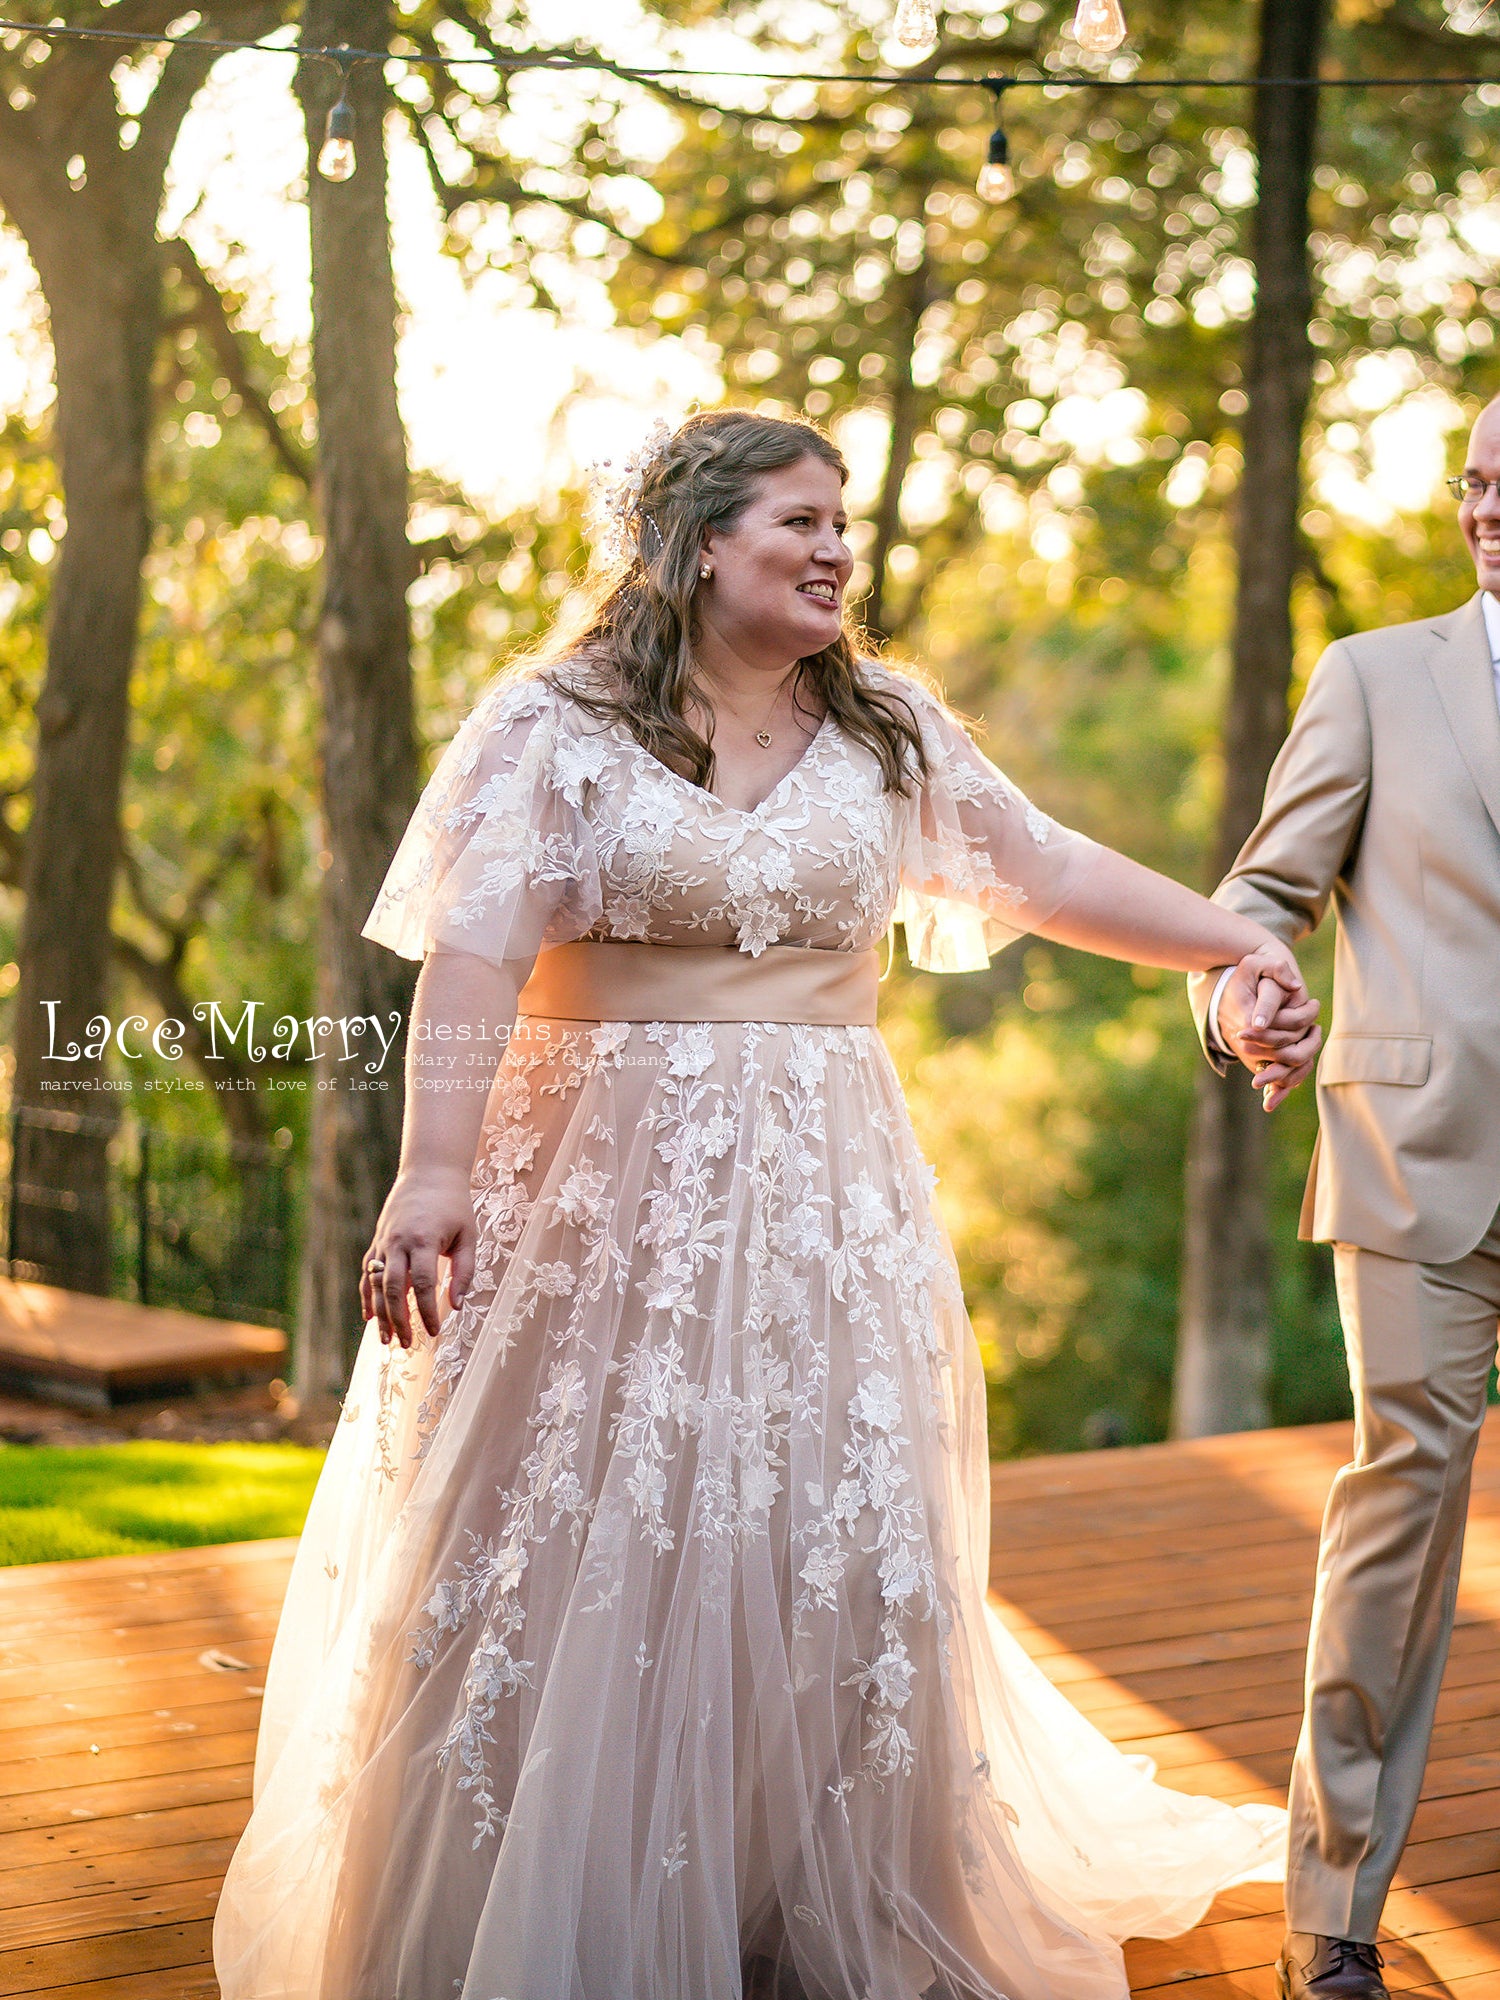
column 637, row 1645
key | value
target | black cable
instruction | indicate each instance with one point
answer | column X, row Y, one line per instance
column 542, row 59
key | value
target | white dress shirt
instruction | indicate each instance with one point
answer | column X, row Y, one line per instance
column 1489, row 604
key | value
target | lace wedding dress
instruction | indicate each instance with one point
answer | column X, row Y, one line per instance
column 638, row 1635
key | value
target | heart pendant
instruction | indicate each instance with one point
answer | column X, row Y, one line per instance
column 763, row 738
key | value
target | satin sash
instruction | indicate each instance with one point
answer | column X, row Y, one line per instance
column 669, row 982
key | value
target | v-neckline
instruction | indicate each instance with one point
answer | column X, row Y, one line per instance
column 712, row 798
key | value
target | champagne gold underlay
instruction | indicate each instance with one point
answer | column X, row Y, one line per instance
column 668, row 982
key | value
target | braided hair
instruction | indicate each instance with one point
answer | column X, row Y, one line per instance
column 631, row 657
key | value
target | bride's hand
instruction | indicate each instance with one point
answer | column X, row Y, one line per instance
column 426, row 1215
column 1270, row 1021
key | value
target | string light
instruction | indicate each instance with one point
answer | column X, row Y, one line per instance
column 997, row 181
column 1099, row 26
column 526, row 60
column 916, row 25
column 336, row 160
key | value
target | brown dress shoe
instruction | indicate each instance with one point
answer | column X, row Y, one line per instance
column 1328, row 1968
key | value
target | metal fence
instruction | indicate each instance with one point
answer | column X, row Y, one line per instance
column 202, row 1224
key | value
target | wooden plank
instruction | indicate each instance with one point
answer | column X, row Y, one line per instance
column 195, row 1687
column 88, row 1751
column 1257, row 1984
column 1452, row 1928
column 181, row 1664
column 210, row 1786
column 1193, row 1692
column 1187, row 1652
column 1457, row 1734
column 85, row 1844
column 232, row 1629
column 39, row 1630
column 112, row 1913
column 162, row 1757
column 52, row 1883
column 1191, row 1650
column 185, row 1982
column 101, row 1347
column 222, row 1559
column 155, row 1948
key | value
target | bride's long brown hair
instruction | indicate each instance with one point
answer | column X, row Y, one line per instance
column 630, row 658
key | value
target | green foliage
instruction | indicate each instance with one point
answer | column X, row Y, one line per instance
column 132, row 1499
column 1041, row 404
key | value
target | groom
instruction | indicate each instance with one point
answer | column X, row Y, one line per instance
column 1386, row 801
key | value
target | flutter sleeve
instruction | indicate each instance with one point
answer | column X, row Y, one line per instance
column 498, row 859
column 981, row 866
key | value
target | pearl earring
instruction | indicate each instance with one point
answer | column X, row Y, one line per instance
column 705, row 571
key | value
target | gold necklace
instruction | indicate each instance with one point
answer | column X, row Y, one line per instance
column 763, row 736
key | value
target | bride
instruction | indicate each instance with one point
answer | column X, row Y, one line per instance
column 637, row 1647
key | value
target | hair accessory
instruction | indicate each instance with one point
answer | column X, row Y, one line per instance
column 623, row 530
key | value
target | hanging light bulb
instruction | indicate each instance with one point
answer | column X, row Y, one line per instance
column 997, row 180
column 1099, row 26
column 336, row 161
column 916, row 25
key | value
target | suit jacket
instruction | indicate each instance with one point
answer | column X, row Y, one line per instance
column 1386, row 801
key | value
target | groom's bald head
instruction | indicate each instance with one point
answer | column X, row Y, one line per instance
column 1480, row 519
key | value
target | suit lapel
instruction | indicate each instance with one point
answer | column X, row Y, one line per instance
column 1458, row 657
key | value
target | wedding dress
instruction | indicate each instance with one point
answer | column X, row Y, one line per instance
column 638, row 1632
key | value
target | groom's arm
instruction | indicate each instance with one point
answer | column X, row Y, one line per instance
column 1308, row 830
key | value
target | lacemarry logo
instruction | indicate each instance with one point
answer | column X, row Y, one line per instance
column 318, row 1038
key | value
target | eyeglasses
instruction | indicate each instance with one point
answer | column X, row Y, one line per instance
column 1469, row 486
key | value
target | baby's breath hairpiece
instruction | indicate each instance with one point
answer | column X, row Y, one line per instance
column 624, row 530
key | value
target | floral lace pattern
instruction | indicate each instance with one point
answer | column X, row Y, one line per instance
column 756, row 1141
column 638, row 1628
column 540, row 826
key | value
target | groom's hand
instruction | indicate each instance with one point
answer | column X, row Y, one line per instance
column 1269, row 1020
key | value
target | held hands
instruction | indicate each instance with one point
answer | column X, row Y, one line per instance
column 1269, row 1020
column 424, row 1216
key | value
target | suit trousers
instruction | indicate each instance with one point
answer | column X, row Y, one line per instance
column 1421, row 1338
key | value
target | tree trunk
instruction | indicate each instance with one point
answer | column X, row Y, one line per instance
column 102, row 293
column 915, row 297
column 368, row 739
column 87, row 204
column 1224, row 1343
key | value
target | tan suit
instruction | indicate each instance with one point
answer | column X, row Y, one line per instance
column 1386, row 800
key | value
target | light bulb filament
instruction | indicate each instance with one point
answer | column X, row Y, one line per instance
column 336, row 160
column 997, row 180
column 1099, row 26
column 916, row 24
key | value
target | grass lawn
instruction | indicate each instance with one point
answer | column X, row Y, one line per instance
column 131, row 1499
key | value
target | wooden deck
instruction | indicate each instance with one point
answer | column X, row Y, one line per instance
column 72, row 1347
column 1167, row 1589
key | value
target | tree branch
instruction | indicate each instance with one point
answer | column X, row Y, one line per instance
column 460, row 16
column 239, row 1107
column 212, row 320
column 180, row 932
column 185, row 70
